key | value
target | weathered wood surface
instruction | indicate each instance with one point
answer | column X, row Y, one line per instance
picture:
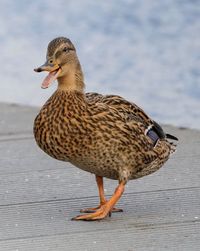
column 39, row 195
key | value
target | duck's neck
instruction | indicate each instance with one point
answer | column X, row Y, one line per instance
column 73, row 80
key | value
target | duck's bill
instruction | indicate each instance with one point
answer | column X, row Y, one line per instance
column 50, row 78
column 53, row 69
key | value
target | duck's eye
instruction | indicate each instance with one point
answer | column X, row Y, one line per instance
column 65, row 49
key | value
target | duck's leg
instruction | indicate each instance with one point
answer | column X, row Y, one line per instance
column 105, row 209
column 102, row 198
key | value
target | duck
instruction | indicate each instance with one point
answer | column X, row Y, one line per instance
column 105, row 135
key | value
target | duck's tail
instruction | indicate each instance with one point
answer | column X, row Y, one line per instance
column 156, row 132
column 169, row 136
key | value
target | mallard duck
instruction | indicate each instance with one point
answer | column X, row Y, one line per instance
column 102, row 134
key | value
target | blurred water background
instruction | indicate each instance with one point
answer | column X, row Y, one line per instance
column 145, row 50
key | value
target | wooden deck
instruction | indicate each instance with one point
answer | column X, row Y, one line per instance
column 39, row 196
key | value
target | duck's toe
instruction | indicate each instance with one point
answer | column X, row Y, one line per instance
column 101, row 213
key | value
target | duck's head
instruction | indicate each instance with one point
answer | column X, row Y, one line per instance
column 61, row 59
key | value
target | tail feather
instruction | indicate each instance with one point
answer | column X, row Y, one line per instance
column 169, row 136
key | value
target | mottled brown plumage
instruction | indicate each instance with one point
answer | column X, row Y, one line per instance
column 105, row 135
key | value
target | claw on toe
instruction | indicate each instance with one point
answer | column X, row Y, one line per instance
column 116, row 210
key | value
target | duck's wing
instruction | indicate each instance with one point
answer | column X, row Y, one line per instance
column 131, row 112
column 129, row 109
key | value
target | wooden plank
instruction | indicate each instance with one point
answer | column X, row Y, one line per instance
column 141, row 211
column 170, row 237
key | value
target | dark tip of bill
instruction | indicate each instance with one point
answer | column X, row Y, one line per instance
column 38, row 69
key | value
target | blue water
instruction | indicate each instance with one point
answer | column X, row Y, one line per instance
column 146, row 51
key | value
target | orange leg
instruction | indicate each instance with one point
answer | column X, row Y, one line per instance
column 105, row 209
column 103, row 200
